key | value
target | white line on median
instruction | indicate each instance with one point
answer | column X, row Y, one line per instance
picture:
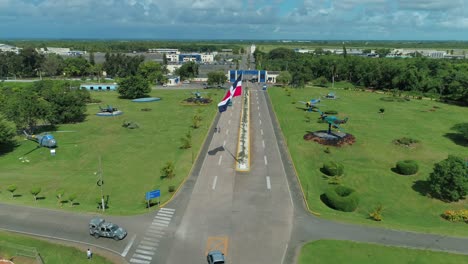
column 214, row 182
column 227, row 132
column 258, row 107
column 220, row 158
column 129, row 245
column 263, row 143
column 229, row 122
column 260, row 121
column 266, row 162
column 224, row 143
column 268, row 182
column 284, row 253
column 261, row 131
column 258, row 113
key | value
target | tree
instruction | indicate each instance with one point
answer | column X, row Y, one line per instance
column 164, row 59
column 188, row 70
column 196, row 121
column 76, row 66
column 217, row 78
column 187, row 141
column 449, row 180
column 134, row 87
column 31, row 61
column 462, row 129
column 91, row 58
column 168, row 170
column 151, row 71
column 7, row 131
column 284, row 78
column 12, row 188
column 345, row 53
column 52, row 65
column 35, row 192
column 71, row 199
column 59, row 195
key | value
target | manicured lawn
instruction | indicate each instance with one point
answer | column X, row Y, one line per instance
column 369, row 161
column 131, row 158
column 333, row 251
column 51, row 253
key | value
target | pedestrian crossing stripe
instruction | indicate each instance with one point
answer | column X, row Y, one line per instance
column 167, row 209
column 144, row 252
column 142, row 256
column 139, row 261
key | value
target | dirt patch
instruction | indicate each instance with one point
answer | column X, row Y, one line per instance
column 347, row 139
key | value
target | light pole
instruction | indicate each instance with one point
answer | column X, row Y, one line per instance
column 100, row 183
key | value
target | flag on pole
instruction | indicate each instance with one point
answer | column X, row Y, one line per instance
column 234, row 90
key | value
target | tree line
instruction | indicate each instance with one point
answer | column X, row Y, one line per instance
column 447, row 79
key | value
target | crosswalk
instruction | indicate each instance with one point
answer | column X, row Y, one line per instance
column 149, row 244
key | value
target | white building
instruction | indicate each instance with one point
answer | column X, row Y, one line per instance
column 252, row 48
column 207, row 58
column 164, row 50
column 172, row 57
column 173, row 67
column 9, row 48
column 52, row 50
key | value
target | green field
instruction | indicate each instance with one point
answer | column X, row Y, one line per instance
column 11, row 244
column 369, row 161
column 332, row 251
column 131, row 159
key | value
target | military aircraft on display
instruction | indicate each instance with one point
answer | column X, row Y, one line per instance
column 332, row 121
column 44, row 140
column 107, row 109
column 198, row 95
column 311, row 105
column 331, row 95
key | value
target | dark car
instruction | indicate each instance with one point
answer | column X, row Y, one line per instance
column 215, row 257
column 98, row 227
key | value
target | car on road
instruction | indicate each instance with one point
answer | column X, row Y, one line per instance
column 98, row 227
column 186, row 82
column 215, row 257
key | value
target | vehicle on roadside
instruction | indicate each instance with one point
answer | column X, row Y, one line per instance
column 186, row 82
column 98, row 227
column 215, row 257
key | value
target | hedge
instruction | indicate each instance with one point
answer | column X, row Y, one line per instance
column 332, row 168
column 341, row 198
column 407, row 167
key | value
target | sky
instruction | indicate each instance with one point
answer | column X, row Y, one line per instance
column 238, row 20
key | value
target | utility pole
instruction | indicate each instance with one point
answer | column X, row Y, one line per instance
column 101, row 183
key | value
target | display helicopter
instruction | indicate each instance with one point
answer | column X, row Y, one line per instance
column 44, row 139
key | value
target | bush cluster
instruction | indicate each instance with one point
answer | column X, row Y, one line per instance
column 407, row 167
column 341, row 198
column 406, row 141
column 332, row 168
column 456, row 215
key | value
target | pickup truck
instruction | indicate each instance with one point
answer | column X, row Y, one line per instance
column 98, row 227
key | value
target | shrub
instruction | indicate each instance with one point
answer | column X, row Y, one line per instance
column 449, row 180
column 332, row 168
column 405, row 141
column 407, row 167
column 35, row 191
column 456, row 215
column 376, row 215
column 171, row 188
column 331, row 112
column 12, row 188
column 341, row 198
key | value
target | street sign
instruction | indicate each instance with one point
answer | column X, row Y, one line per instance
column 153, row 194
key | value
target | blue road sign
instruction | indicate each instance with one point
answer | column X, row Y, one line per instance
column 153, row 194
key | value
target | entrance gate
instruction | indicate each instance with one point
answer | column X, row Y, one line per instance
column 255, row 75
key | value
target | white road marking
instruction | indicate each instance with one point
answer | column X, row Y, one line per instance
column 142, row 256
column 161, row 221
column 220, row 159
column 258, row 107
column 284, row 253
column 144, row 252
column 263, row 143
column 266, row 162
column 260, row 121
column 268, row 182
column 214, row 182
column 139, row 261
column 227, row 132
column 259, row 114
column 231, row 113
column 149, row 243
column 129, row 245
column 167, row 209
column 261, row 131
column 146, row 247
column 164, row 214
column 229, row 122
column 224, row 143
column 151, row 239
column 160, row 224
column 163, row 218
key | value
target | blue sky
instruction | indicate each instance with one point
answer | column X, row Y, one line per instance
column 242, row 19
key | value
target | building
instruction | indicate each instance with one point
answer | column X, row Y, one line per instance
column 9, row 48
column 196, row 57
column 252, row 48
column 99, row 87
column 52, row 50
column 172, row 58
column 298, row 50
column 173, row 81
column 172, row 68
column 164, row 50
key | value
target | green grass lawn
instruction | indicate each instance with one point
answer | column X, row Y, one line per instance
column 131, row 159
column 332, row 251
column 50, row 253
column 369, row 161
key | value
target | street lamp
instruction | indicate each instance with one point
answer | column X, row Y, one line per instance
column 100, row 183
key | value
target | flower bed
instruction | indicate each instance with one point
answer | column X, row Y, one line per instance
column 243, row 146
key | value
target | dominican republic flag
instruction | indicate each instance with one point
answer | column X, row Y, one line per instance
column 234, row 90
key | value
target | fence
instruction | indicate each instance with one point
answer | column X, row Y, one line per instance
column 19, row 250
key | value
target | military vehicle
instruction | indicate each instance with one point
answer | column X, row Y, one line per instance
column 98, row 227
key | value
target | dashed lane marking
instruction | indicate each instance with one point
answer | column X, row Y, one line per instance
column 268, row 182
column 266, row 162
column 220, row 159
column 214, row 182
